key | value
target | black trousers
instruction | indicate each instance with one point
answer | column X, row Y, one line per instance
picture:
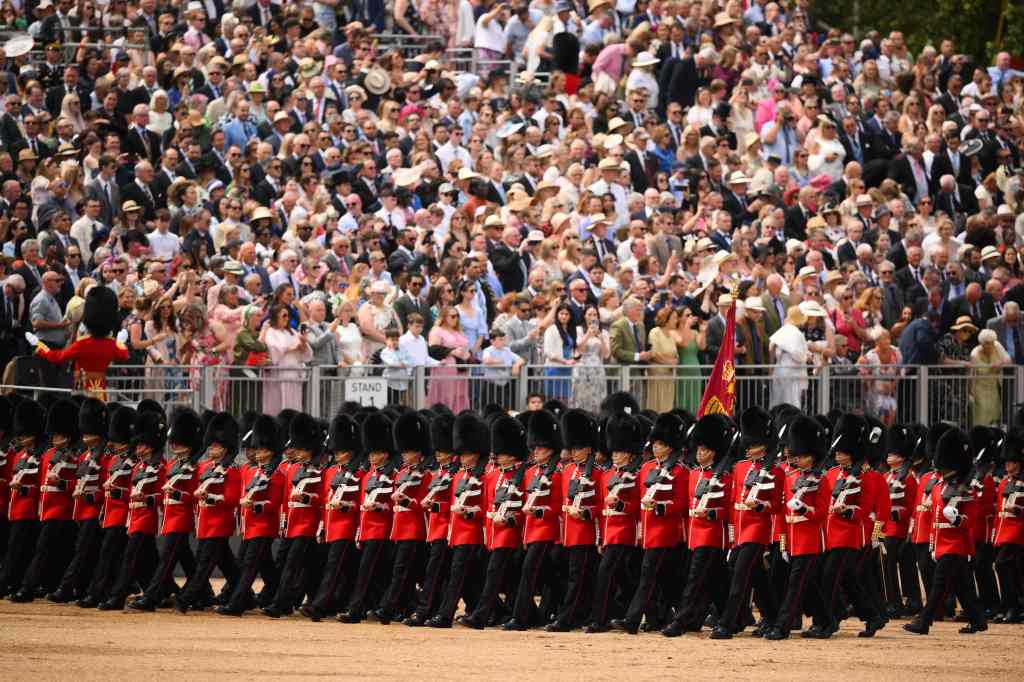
column 439, row 558
column 463, row 580
column 254, row 556
column 83, row 562
column 901, row 584
column 612, row 566
column 176, row 549
column 537, row 572
column 925, row 563
column 582, row 570
column 654, row 570
column 778, row 569
column 406, row 572
column 111, row 551
column 953, row 576
column 211, row 553
column 1009, row 565
column 840, row 574
column 869, row 573
column 500, row 574
column 985, row 575
column 292, row 585
column 747, row 572
column 705, row 578
column 372, row 576
column 335, row 576
column 21, row 545
column 803, row 593
column 138, row 564
column 5, row 531
column 53, row 552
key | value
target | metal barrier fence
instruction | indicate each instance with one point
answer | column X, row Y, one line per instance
column 954, row 394
column 466, row 59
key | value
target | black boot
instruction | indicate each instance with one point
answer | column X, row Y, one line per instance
column 595, row 628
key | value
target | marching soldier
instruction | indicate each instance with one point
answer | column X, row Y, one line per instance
column 7, row 452
column 1009, row 530
column 921, row 523
column 869, row 567
column 900, row 576
column 986, row 442
column 23, row 508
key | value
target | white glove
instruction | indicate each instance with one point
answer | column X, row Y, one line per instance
column 785, row 556
column 950, row 513
column 32, row 339
column 875, row 544
column 122, row 336
column 793, row 504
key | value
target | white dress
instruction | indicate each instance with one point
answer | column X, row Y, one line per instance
column 589, row 383
column 350, row 344
column 789, row 376
column 818, row 164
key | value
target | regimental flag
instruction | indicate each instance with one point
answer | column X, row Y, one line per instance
column 720, row 391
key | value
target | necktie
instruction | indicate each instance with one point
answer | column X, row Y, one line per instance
column 999, row 308
column 106, row 192
column 1016, row 346
column 145, row 141
column 35, row 146
column 636, row 338
column 780, row 309
column 975, row 312
column 954, row 160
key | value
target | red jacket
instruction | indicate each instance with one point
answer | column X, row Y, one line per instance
column 265, row 489
column 7, row 456
column 953, row 537
column 1010, row 519
column 25, row 479
column 712, row 531
column 504, row 504
column 179, row 497
column 921, row 523
column 619, row 521
column 117, row 484
column 878, row 491
column 750, row 524
column 580, row 491
column 57, row 476
column 88, row 492
column 544, row 495
column 438, row 502
column 805, row 517
column 223, row 487
column 662, row 526
column 846, row 528
column 984, row 492
column 409, row 518
column 304, row 501
column 378, row 484
column 341, row 490
column 902, row 499
column 146, row 495
column 466, row 527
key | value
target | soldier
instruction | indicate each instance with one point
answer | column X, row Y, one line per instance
column 921, row 523
column 1009, row 531
column 986, row 443
column 342, row 483
column 619, row 489
column 185, row 441
column 710, row 509
column 869, row 566
column 900, row 576
column 57, row 471
column 7, row 452
column 23, row 508
column 217, row 496
column 955, row 511
column 375, row 517
column 504, row 504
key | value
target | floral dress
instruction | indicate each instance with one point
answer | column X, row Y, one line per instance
column 589, row 383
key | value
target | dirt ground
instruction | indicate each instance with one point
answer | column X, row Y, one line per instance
column 47, row 641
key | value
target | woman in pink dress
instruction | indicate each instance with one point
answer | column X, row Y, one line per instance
column 447, row 383
column 289, row 354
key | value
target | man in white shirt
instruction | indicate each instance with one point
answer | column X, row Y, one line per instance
column 390, row 213
column 84, row 229
column 501, row 366
column 453, row 149
column 163, row 244
column 287, row 263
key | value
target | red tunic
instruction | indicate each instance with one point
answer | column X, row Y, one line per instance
column 223, row 487
column 91, row 357
column 466, row 527
column 662, row 526
column 953, row 538
column 25, row 478
column 805, row 518
column 179, row 497
column 921, row 523
column 304, row 501
column 88, row 493
column 878, row 493
column 57, row 475
column 544, row 495
column 341, row 491
column 504, row 504
column 117, row 482
column 709, row 532
column 7, row 456
column 579, row 491
column 409, row 518
column 753, row 525
column 375, row 522
column 265, row 489
column 438, row 502
column 847, row 529
column 619, row 521
column 985, row 493
column 146, row 495
column 1009, row 528
column 902, row 498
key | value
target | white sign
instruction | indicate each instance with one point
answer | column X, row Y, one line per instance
column 367, row 391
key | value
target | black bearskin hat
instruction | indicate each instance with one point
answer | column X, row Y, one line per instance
column 377, row 435
column 101, row 316
column 620, row 402
column 508, row 437
column 186, row 429
column 122, row 424
column 807, row 436
column 441, row 432
column 305, row 434
column 62, row 419
column 151, row 430
column 29, row 419
column 757, row 429
column 92, row 417
column 249, row 418
column 715, row 432
column 565, row 52
column 625, row 433
column 901, row 441
column 345, row 435
column 986, row 443
column 671, row 430
column 492, row 411
column 223, row 430
column 874, row 441
column 469, row 435
column 545, row 431
column 150, row 405
column 556, row 407
column 579, row 429
column 849, row 435
column 266, row 435
column 284, row 419
column 953, row 453
column 935, row 432
column 1013, row 446
column 411, row 433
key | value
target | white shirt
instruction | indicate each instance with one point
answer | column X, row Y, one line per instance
column 414, row 351
column 83, row 230
column 163, row 246
column 490, row 37
column 395, row 217
column 448, row 152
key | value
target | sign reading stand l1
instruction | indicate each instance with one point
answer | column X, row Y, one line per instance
column 367, row 391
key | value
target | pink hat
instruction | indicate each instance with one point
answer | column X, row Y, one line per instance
column 821, row 182
column 330, row 61
column 410, row 109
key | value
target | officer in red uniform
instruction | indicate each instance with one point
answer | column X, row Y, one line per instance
column 471, row 443
column 541, row 518
column 900, row 574
column 7, row 452
column 217, row 495
column 262, row 486
column 341, row 488
column 869, row 565
column 144, row 502
column 411, row 435
column 88, row 501
column 185, row 442
column 437, row 507
column 23, row 507
column 304, row 504
column 955, row 510
column 117, row 464
column 619, row 488
column 57, row 471
column 710, row 501
column 664, row 487
column 581, row 510
column 375, row 517
column 1009, row 530
column 921, row 523
column 806, row 499
column 986, row 444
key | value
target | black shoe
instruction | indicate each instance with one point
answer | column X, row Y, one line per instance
column 514, row 626
column 142, row 604
column 271, row 612
column 673, row 629
column 962, row 618
column 597, row 628
column 816, row 633
column 776, row 634
column 60, row 597
column 383, row 616
column 112, row 605
column 309, row 611
column 973, row 628
column 415, row 621
column 893, row 612
column 913, row 608
column 228, row 611
column 761, row 630
column 22, row 596
column 438, row 622
column 88, row 602
column 469, row 622
column 721, row 632
column 557, row 626
column 1013, row 616
column 917, row 627
column 181, row 606
column 625, row 626
column 350, row 617
column 871, row 627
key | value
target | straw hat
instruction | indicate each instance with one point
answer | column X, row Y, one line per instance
column 645, row 59
column 619, row 125
column 377, row 81
column 130, row 207
column 723, row 19
column 407, row 177
column 990, row 252
column 754, row 303
column 261, row 213
column 812, row 309
column 807, row 271
column 964, row 322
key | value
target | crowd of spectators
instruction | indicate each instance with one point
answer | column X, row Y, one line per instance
column 268, row 187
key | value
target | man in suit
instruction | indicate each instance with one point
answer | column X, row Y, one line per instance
column 736, row 202
column 251, row 264
column 511, row 263
column 912, row 274
column 665, row 243
column 887, row 142
column 714, row 334
column 269, row 189
column 775, row 303
column 30, row 272
column 105, row 190
column 949, row 161
column 140, row 190
column 413, row 301
column 1009, row 328
column 957, row 201
column 12, row 322
column 144, row 143
column 909, row 170
column 406, row 257
column 893, row 295
column 599, row 241
column 992, row 303
column 339, row 256
column 628, row 337
column 751, row 332
column 165, row 176
column 55, row 95
column 263, row 12
column 798, row 215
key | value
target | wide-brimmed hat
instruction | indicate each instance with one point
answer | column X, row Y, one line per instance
column 130, row 206
column 964, row 322
column 18, row 45
column 807, row 271
column 645, row 59
column 754, row 303
column 990, row 252
column 377, row 81
column 738, row 178
column 723, row 19
column 812, row 309
column 618, row 124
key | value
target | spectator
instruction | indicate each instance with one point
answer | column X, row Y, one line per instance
column 882, row 365
column 661, row 386
column 987, row 362
column 250, row 354
column 375, row 317
column 589, row 382
column 446, row 385
column 350, row 339
column 560, row 354
column 289, row 351
column 790, row 353
column 501, row 369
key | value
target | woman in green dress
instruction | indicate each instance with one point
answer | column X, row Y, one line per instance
column 987, row 361
column 689, row 338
